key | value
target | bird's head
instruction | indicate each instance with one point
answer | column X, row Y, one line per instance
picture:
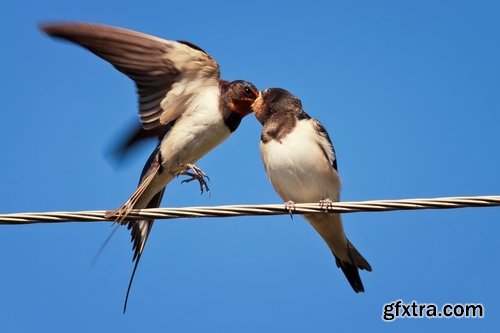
column 239, row 97
column 272, row 100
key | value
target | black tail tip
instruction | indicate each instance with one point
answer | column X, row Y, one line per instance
column 351, row 273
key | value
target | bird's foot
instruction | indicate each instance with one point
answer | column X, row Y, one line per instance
column 326, row 204
column 196, row 174
column 290, row 206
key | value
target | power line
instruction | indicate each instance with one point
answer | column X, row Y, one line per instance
column 254, row 210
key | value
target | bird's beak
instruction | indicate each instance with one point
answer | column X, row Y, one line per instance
column 258, row 101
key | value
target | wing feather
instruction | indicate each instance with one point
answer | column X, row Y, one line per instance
column 326, row 144
column 167, row 73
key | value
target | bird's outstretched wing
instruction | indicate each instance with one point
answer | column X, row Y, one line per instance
column 167, row 73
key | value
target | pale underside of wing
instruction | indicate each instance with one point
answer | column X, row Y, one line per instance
column 167, row 74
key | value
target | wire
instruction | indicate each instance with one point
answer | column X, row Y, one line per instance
column 253, row 210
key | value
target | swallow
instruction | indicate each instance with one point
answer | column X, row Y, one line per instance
column 182, row 101
column 300, row 161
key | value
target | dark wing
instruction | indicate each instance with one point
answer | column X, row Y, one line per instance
column 326, row 144
column 133, row 135
column 167, row 73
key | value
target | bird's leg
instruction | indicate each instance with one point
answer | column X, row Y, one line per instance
column 290, row 206
column 326, row 204
column 196, row 174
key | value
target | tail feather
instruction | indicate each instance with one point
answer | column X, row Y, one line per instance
column 357, row 258
column 348, row 259
column 351, row 272
column 140, row 230
column 351, row 269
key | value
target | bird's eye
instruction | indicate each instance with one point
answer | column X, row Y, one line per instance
column 248, row 91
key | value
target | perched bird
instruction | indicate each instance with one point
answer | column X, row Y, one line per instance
column 300, row 161
column 182, row 101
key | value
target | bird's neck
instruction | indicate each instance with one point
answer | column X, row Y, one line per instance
column 227, row 107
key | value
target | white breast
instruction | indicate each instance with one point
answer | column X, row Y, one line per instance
column 297, row 166
column 199, row 129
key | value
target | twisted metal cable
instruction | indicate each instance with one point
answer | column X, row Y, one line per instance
column 253, row 210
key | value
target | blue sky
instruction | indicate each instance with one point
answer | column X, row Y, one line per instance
column 409, row 93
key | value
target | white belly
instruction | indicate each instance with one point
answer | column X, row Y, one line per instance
column 298, row 168
column 194, row 134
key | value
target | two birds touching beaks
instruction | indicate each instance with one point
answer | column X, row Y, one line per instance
column 191, row 110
